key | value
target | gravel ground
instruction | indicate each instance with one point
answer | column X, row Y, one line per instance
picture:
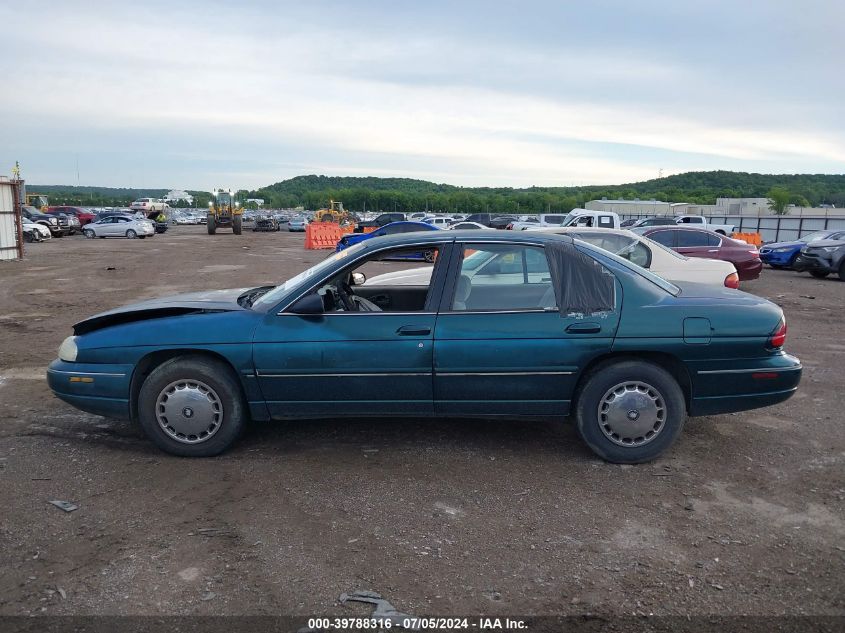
column 743, row 516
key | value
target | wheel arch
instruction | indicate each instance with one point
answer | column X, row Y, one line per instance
column 670, row 363
column 151, row 361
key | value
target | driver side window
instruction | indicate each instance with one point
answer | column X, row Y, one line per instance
column 398, row 280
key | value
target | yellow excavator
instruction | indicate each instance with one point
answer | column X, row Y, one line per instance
column 224, row 211
column 334, row 213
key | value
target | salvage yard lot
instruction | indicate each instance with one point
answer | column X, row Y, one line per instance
column 744, row 515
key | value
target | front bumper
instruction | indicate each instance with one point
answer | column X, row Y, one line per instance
column 777, row 258
column 94, row 388
column 821, row 261
column 746, row 384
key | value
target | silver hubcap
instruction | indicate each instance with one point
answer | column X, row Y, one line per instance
column 632, row 413
column 189, row 411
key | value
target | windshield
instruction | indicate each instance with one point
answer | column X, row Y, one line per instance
column 275, row 295
column 818, row 235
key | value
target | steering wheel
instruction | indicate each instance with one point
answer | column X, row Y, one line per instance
column 346, row 296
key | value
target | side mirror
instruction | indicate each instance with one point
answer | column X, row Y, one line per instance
column 358, row 279
column 309, row 304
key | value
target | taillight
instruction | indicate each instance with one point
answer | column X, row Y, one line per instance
column 778, row 338
column 732, row 281
column 509, row 227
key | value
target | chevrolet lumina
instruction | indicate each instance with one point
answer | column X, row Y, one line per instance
column 547, row 327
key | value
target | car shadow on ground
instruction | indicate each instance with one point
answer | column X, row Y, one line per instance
column 414, row 434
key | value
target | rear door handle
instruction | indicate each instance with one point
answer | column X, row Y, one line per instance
column 413, row 330
column 586, row 327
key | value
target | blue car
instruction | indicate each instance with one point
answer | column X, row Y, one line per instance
column 508, row 324
column 394, row 228
column 784, row 254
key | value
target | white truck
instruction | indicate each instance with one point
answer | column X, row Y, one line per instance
column 702, row 222
column 584, row 217
column 543, row 221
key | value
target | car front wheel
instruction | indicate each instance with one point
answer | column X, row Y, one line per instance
column 192, row 407
column 629, row 412
column 89, row 234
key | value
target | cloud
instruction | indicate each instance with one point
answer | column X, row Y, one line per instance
column 463, row 97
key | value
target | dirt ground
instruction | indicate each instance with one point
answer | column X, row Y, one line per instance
column 743, row 516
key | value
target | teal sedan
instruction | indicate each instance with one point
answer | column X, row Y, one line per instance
column 509, row 324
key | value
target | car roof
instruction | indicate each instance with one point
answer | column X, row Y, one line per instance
column 592, row 229
column 464, row 235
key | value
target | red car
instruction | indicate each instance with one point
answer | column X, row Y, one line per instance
column 82, row 215
column 694, row 242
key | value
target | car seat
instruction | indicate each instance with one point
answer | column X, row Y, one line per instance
column 462, row 292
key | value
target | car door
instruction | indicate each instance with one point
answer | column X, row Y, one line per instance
column 350, row 363
column 503, row 347
column 105, row 227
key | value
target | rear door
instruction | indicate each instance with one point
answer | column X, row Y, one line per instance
column 501, row 346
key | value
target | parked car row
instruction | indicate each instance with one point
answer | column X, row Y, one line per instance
column 821, row 254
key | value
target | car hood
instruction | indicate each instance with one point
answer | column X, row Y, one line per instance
column 411, row 277
column 190, row 303
column 794, row 244
column 823, row 243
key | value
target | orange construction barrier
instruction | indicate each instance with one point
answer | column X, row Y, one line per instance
column 322, row 235
column 370, row 229
column 751, row 238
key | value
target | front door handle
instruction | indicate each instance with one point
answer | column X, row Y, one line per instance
column 586, row 327
column 413, row 330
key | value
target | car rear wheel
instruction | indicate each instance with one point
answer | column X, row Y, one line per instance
column 192, row 407
column 131, row 234
column 842, row 270
column 629, row 412
column 819, row 274
column 89, row 234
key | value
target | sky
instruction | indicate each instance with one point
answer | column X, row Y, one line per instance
column 201, row 94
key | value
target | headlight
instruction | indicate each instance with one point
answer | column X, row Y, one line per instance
column 830, row 249
column 54, row 220
column 67, row 350
column 781, row 250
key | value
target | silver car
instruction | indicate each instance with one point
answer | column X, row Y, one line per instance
column 119, row 226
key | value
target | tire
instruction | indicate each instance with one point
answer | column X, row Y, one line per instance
column 657, row 396
column 776, row 266
column 142, row 237
column 89, row 233
column 842, row 270
column 237, row 225
column 791, row 264
column 819, row 274
column 131, row 234
column 211, row 225
column 184, row 381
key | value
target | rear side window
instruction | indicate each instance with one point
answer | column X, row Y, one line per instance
column 606, row 221
column 690, row 239
column 667, row 238
column 509, row 277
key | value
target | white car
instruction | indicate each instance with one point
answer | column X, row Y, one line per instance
column 42, row 230
column 119, row 226
column 460, row 226
column 148, row 204
column 637, row 249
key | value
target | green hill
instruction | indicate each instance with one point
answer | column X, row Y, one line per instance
column 370, row 193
